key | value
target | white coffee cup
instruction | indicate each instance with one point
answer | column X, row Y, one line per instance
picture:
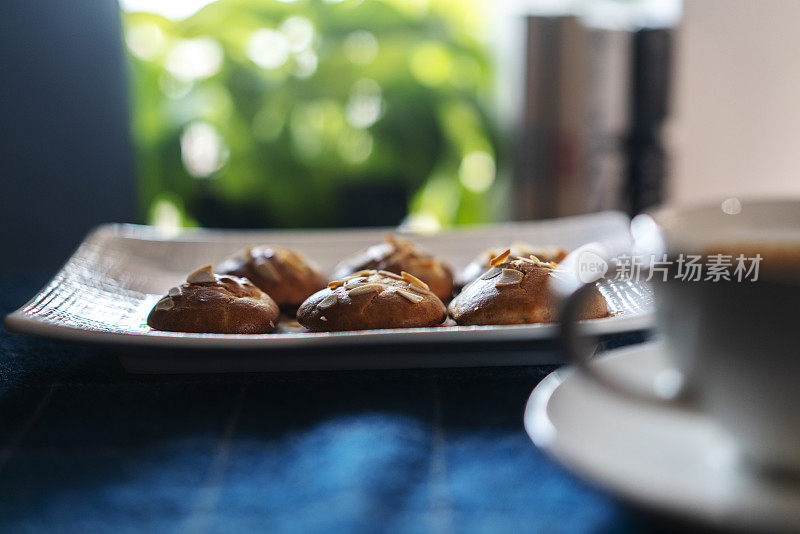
column 735, row 343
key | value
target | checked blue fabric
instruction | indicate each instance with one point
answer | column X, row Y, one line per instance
column 86, row 447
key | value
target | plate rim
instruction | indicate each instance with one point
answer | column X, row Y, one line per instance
column 19, row 322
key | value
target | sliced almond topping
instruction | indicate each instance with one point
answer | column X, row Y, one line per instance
column 328, row 301
column 335, row 284
column 536, row 260
column 165, row 304
column 174, row 291
column 355, row 282
column 509, row 277
column 203, row 275
column 390, row 275
column 414, row 280
column 416, row 299
column 500, row 258
column 366, row 272
column 491, row 273
column 323, row 318
column 366, row 288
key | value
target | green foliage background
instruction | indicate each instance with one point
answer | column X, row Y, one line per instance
column 290, row 156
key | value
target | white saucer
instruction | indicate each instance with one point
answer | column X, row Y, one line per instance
column 670, row 459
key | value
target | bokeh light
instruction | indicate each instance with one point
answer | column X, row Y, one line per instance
column 145, row 41
column 166, row 216
column 299, row 33
column 477, row 171
column 305, row 64
column 431, row 63
column 268, row 48
column 203, row 150
column 355, row 146
column 361, row 47
column 365, row 104
column 732, row 206
column 194, row 59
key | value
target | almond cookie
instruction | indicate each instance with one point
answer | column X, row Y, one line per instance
column 284, row 274
column 516, row 291
column 372, row 299
column 215, row 304
column 397, row 255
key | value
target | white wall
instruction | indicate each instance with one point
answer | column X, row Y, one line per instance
column 737, row 100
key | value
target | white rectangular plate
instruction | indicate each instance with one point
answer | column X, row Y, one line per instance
column 104, row 292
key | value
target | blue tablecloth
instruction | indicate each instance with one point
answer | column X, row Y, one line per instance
column 87, row 447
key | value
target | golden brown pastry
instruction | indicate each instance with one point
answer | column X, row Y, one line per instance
column 371, row 299
column 215, row 304
column 516, row 291
column 479, row 265
column 397, row 255
column 284, row 274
